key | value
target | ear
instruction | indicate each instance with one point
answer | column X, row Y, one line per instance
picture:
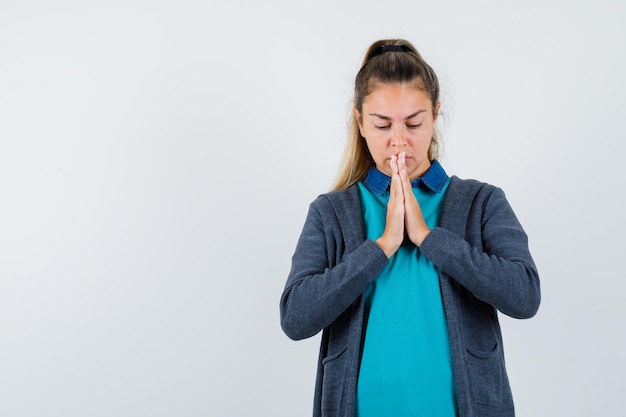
column 359, row 120
column 436, row 111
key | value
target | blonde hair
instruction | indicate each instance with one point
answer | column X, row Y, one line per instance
column 387, row 61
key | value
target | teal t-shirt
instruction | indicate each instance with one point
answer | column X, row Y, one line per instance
column 406, row 364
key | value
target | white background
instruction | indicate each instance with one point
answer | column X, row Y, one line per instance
column 157, row 159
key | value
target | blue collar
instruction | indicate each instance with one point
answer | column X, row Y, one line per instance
column 435, row 179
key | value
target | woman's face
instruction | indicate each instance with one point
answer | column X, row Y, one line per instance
column 398, row 118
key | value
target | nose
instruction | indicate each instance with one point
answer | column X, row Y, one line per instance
column 397, row 137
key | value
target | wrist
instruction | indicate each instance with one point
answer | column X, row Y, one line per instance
column 421, row 237
column 386, row 246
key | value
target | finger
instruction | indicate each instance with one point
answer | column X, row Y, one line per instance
column 393, row 235
column 393, row 164
column 402, row 165
column 396, row 193
column 396, row 183
column 404, row 176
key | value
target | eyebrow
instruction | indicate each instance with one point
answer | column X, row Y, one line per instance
column 381, row 116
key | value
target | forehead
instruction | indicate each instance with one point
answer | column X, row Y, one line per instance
column 397, row 96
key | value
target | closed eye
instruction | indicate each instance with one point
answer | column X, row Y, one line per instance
column 414, row 126
column 383, row 127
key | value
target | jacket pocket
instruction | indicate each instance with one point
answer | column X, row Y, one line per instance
column 487, row 375
column 332, row 381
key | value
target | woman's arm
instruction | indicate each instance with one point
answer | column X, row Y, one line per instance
column 502, row 272
column 319, row 287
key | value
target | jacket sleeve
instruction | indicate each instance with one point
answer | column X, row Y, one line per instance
column 496, row 266
column 324, row 279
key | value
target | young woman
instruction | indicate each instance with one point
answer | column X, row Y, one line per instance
column 404, row 268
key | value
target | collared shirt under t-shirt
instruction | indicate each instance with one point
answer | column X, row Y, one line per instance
column 406, row 364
